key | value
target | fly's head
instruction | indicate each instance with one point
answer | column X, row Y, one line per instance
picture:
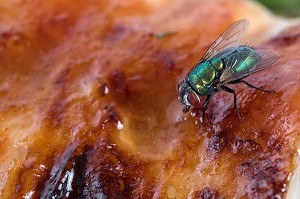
column 187, row 96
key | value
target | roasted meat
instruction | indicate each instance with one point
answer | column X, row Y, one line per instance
column 88, row 102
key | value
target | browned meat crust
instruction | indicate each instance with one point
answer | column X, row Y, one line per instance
column 87, row 108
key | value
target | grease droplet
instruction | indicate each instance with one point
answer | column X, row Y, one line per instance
column 119, row 125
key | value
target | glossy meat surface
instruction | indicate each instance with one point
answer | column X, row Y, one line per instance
column 88, row 104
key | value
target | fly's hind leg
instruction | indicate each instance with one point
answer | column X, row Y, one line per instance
column 204, row 106
column 251, row 86
column 229, row 90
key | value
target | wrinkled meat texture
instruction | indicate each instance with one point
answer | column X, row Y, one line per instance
column 88, row 102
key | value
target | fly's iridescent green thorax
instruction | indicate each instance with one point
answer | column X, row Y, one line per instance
column 204, row 75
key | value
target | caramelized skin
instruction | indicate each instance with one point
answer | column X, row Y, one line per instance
column 88, row 105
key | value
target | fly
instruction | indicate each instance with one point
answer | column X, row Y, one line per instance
column 227, row 61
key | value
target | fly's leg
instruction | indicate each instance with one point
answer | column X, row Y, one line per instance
column 186, row 109
column 251, row 86
column 204, row 106
column 229, row 90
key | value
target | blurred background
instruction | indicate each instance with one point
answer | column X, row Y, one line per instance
column 288, row 8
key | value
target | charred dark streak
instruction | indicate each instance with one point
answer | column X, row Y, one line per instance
column 245, row 146
column 70, row 181
column 110, row 174
column 252, row 167
column 217, row 143
column 275, row 143
column 80, row 166
column 265, row 177
column 207, row 193
column 56, row 185
column 266, row 187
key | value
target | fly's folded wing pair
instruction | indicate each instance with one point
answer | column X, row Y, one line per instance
column 228, row 42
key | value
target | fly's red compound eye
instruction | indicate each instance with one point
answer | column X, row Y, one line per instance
column 179, row 83
column 193, row 99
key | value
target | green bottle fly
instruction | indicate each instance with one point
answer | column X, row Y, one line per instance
column 226, row 61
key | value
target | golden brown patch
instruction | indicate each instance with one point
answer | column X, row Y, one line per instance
column 88, row 104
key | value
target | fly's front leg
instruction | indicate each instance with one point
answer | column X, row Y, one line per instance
column 229, row 90
column 204, row 106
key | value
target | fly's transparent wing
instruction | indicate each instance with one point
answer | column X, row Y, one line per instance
column 230, row 38
column 246, row 63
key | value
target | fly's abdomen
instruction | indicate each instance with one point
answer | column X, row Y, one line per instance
column 242, row 59
column 203, row 75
